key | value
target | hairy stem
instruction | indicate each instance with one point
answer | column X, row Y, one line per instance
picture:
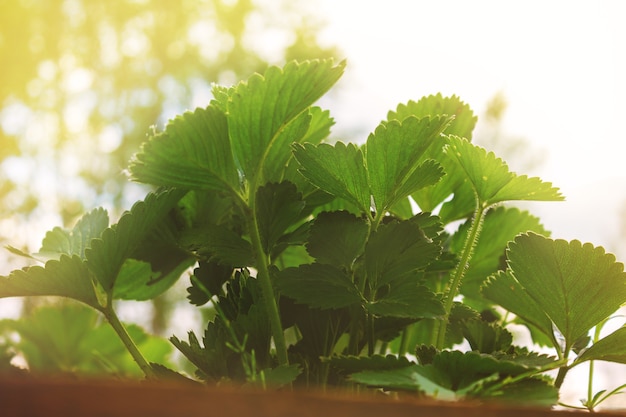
column 130, row 345
column 459, row 272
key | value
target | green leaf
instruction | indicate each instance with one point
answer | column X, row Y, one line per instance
column 352, row 364
column 576, row 285
column 338, row 170
column 66, row 277
column 462, row 124
column 318, row 286
column 75, row 241
column 193, row 152
column 486, row 337
column 491, row 179
column 394, row 158
column 207, row 280
column 71, row 338
column 266, row 113
column 278, row 377
column 500, row 226
column 611, row 348
column 108, row 253
column 503, row 289
column 278, row 206
column 396, row 249
column 405, row 298
column 337, row 238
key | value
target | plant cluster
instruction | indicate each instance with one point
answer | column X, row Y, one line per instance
column 325, row 265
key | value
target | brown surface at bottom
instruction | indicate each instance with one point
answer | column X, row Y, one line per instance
column 105, row 398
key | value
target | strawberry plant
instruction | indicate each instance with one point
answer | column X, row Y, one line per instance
column 342, row 264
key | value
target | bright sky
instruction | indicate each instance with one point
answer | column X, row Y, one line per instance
column 560, row 64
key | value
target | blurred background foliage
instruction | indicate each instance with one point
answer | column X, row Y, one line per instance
column 82, row 81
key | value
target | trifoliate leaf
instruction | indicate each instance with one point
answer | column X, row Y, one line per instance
column 66, row 277
column 192, row 153
column 278, row 206
column 75, row 241
column 108, row 253
column 491, row 179
column 610, row 348
column 337, row 238
column 394, row 154
column 437, row 105
column 318, row 286
column 397, row 249
column 575, row 285
column 338, row 170
column 266, row 114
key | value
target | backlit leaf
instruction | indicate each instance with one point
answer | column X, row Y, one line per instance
column 491, row 179
column 576, row 285
column 193, row 152
column 75, row 241
column 265, row 107
column 610, row 348
column 395, row 158
column 66, row 277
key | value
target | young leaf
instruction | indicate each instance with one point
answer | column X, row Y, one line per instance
column 611, row 348
column 436, row 105
column 74, row 242
column 337, row 238
column 338, row 170
column 262, row 109
column 66, row 277
column 278, row 206
column 394, row 154
column 576, row 285
column 193, row 153
column 318, row 286
column 491, row 179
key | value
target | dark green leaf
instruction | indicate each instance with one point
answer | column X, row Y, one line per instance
column 405, row 298
column 351, row 364
column 486, row 337
column 207, row 280
column 278, row 207
column 338, row 170
column 337, row 238
column 396, row 249
column 108, row 253
column 318, row 286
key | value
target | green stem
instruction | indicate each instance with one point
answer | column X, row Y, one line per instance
column 269, row 299
column 119, row 328
column 459, row 272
